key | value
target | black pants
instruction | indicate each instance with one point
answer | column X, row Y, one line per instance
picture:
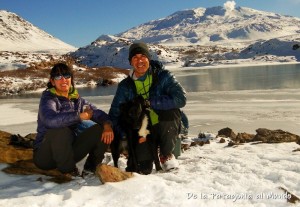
column 61, row 148
column 165, row 134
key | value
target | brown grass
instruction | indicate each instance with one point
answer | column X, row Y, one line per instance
column 41, row 70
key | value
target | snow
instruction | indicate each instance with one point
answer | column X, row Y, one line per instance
column 211, row 175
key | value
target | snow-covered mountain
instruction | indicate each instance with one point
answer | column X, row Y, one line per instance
column 113, row 51
column 201, row 36
column 214, row 25
column 17, row 34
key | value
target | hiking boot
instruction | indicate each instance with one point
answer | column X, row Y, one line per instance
column 169, row 162
column 87, row 173
column 145, row 167
column 72, row 175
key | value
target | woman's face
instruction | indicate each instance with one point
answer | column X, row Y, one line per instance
column 141, row 64
column 62, row 83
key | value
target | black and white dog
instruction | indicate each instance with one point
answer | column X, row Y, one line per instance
column 135, row 120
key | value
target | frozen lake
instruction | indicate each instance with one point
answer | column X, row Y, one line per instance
column 243, row 99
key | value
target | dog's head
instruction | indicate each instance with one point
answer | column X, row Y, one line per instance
column 132, row 112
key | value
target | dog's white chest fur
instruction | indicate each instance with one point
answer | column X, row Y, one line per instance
column 143, row 132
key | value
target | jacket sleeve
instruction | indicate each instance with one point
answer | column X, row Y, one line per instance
column 172, row 94
column 52, row 117
column 121, row 96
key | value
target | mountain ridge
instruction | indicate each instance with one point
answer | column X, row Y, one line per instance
column 200, row 37
column 213, row 25
column 18, row 34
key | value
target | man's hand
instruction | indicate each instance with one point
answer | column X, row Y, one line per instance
column 142, row 140
column 107, row 134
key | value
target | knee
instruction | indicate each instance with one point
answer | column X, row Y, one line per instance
column 96, row 128
column 60, row 135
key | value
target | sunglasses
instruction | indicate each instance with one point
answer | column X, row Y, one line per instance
column 59, row 77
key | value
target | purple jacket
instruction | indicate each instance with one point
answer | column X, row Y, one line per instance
column 58, row 112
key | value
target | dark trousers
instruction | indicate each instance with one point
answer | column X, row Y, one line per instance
column 62, row 149
column 166, row 133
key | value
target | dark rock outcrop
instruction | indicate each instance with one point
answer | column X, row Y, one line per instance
column 11, row 153
column 274, row 136
column 244, row 137
column 226, row 132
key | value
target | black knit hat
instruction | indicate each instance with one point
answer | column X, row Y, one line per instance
column 138, row 48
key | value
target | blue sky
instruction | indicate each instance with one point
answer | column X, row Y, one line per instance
column 79, row 22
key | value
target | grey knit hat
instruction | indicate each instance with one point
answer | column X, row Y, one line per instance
column 138, row 48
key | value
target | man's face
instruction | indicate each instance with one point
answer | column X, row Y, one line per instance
column 141, row 64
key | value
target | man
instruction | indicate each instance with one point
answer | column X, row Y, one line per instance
column 165, row 95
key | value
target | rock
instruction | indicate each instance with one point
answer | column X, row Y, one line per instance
column 107, row 173
column 296, row 150
column 27, row 167
column 291, row 198
column 200, row 142
column 244, row 137
column 222, row 140
column 234, row 144
column 274, row 136
column 10, row 153
column 20, row 162
column 185, row 146
column 226, row 132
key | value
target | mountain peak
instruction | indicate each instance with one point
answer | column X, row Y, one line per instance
column 17, row 34
column 215, row 25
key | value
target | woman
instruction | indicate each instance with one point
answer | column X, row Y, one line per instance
column 62, row 136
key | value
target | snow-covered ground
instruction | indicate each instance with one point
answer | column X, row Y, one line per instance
column 211, row 175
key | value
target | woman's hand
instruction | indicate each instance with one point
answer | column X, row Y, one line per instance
column 86, row 114
column 107, row 134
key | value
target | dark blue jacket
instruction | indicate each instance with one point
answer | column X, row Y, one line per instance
column 57, row 111
column 166, row 95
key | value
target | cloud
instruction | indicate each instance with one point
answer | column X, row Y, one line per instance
column 229, row 5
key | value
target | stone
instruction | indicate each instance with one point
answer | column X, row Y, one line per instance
column 274, row 136
column 10, row 153
column 27, row 167
column 292, row 198
column 226, row 132
column 244, row 137
column 222, row 140
column 107, row 173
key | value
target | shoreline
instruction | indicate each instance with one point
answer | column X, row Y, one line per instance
column 258, row 64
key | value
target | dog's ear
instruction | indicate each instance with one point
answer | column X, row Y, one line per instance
column 143, row 102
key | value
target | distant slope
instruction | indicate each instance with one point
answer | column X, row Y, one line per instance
column 201, row 37
column 109, row 50
column 214, row 25
column 17, row 34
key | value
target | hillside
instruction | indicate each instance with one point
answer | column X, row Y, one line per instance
column 216, row 25
column 203, row 37
column 18, row 34
column 191, row 38
column 27, row 53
